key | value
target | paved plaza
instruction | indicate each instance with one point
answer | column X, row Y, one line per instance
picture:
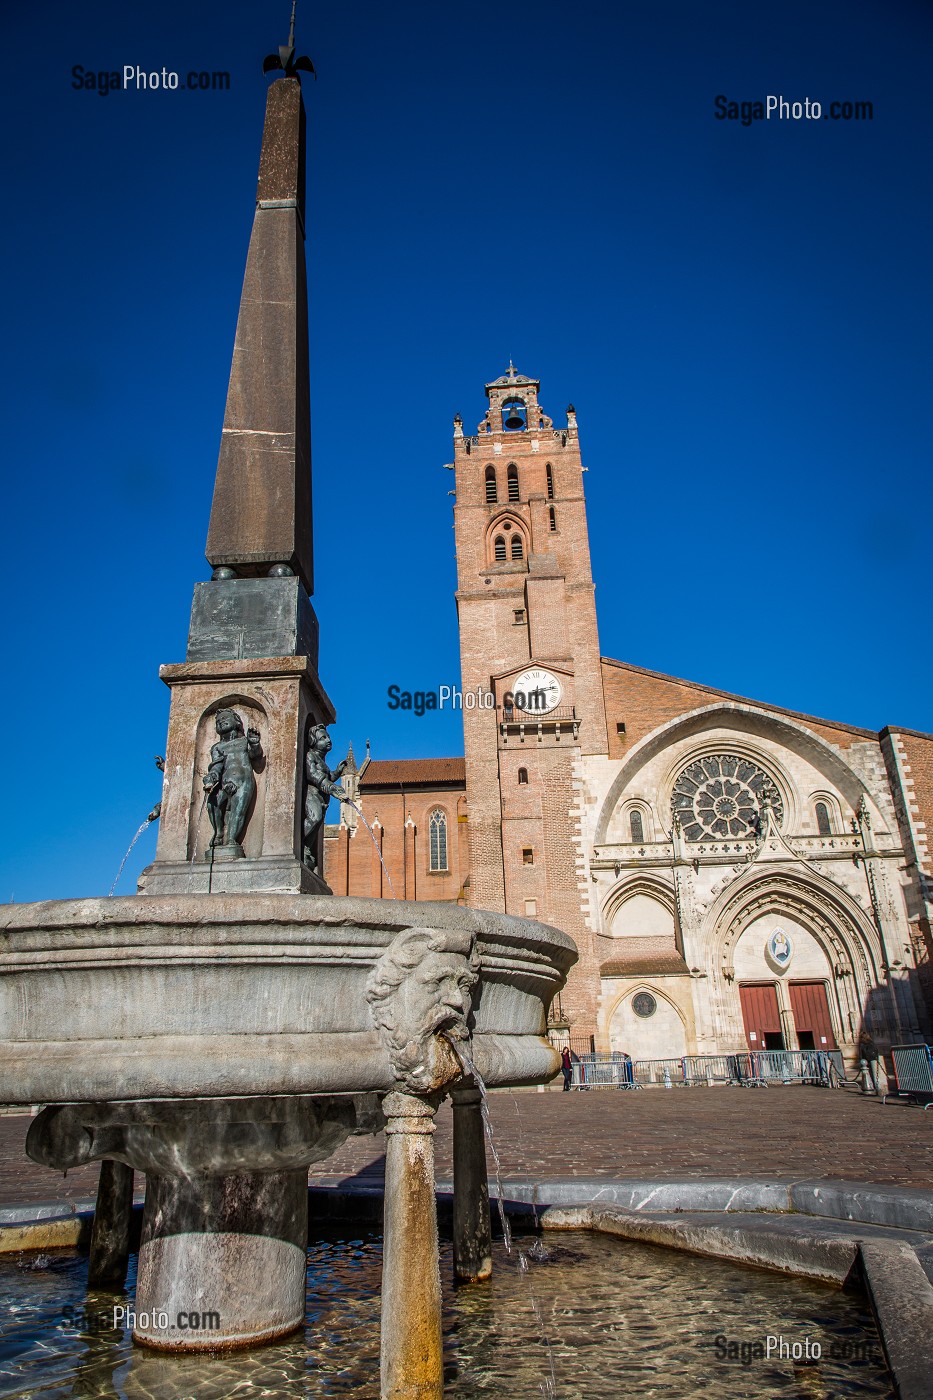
column 782, row 1133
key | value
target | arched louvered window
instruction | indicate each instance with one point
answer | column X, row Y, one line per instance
column 637, row 827
column 492, row 494
column 552, row 518
column 437, row 828
column 513, row 483
column 517, row 551
column 550, row 482
column 823, row 824
column 500, row 551
column 522, row 776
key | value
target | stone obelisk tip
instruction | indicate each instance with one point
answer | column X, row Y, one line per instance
column 261, row 514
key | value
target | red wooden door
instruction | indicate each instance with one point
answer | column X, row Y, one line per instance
column 760, row 1013
column 811, row 1013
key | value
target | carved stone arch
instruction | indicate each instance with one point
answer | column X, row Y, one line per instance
column 840, row 927
column 253, row 714
column 506, row 523
column 658, row 993
column 646, row 883
column 833, row 810
column 644, row 810
column 741, row 720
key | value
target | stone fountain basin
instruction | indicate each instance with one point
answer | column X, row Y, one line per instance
column 189, row 996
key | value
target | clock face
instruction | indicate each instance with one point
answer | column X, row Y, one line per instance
column 537, row 692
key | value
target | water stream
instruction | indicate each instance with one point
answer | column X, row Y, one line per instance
column 547, row 1386
column 128, row 851
column 372, row 836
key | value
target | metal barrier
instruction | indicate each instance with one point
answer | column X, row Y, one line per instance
column 751, row 1069
column 603, row 1072
column 913, row 1072
column 666, row 1072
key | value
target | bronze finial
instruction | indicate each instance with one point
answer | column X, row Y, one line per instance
column 285, row 58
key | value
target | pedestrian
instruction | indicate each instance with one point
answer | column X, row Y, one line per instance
column 566, row 1067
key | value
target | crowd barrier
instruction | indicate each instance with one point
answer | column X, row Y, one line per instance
column 913, row 1072
column 754, row 1068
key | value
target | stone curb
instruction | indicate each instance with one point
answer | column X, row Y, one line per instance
column 831, row 1258
column 902, row 1299
column 901, row 1208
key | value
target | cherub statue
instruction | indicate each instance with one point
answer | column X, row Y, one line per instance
column 323, row 784
column 229, row 780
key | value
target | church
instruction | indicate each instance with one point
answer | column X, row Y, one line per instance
column 736, row 876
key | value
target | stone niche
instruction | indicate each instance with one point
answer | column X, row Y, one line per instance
column 253, row 716
column 281, row 698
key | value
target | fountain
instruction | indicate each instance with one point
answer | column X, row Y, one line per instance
column 233, row 1021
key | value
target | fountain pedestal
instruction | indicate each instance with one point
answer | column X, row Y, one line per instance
column 412, row 1365
column 472, row 1232
column 222, row 1260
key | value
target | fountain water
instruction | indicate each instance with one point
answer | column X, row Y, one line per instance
column 372, row 837
column 153, row 816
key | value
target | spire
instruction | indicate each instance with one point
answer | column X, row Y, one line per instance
column 261, row 514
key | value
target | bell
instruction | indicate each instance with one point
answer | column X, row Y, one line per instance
column 515, row 419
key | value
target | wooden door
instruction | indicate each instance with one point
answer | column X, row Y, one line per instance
column 809, row 1003
column 760, row 1014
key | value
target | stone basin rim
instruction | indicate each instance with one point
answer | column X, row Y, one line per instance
column 383, row 917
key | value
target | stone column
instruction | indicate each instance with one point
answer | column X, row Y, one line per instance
column 412, row 1353
column 472, row 1229
column 231, row 1250
column 110, row 1236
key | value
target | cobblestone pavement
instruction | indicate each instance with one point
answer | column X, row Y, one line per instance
column 783, row 1133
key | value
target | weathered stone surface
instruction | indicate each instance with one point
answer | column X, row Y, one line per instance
column 210, row 996
column 411, row 1346
column 902, row 1298
column 279, row 697
column 472, row 1226
column 232, row 1247
column 244, row 618
column 110, row 1237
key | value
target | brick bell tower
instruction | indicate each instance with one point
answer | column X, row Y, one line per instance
column 528, row 636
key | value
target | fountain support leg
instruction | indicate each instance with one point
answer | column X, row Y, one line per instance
column 472, row 1227
column 412, row 1353
column 222, row 1260
column 110, row 1236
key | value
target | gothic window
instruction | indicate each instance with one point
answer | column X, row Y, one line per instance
column 500, row 549
column 721, row 796
column 552, row 519
column 513, row 483
column 437, row 828
column 517, row 551
column 522, row 776
column 492, row 494
column 637, row 827
column 550, row 482
column 823, row 824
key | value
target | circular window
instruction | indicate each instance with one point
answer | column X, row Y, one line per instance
column 644, row 1004
column 721, row 796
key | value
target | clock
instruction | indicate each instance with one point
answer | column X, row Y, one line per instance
column 536, row 692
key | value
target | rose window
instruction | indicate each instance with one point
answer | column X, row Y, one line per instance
column 721, row 796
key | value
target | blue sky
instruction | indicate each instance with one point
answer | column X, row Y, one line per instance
column 739, row 313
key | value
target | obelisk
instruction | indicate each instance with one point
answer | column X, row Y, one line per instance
column 247, row 697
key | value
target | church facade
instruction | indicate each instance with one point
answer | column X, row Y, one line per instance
column 735, row 876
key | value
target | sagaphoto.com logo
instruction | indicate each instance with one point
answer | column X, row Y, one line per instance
column 134, row 78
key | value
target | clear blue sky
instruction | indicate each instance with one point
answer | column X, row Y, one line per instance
column 741, row 316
